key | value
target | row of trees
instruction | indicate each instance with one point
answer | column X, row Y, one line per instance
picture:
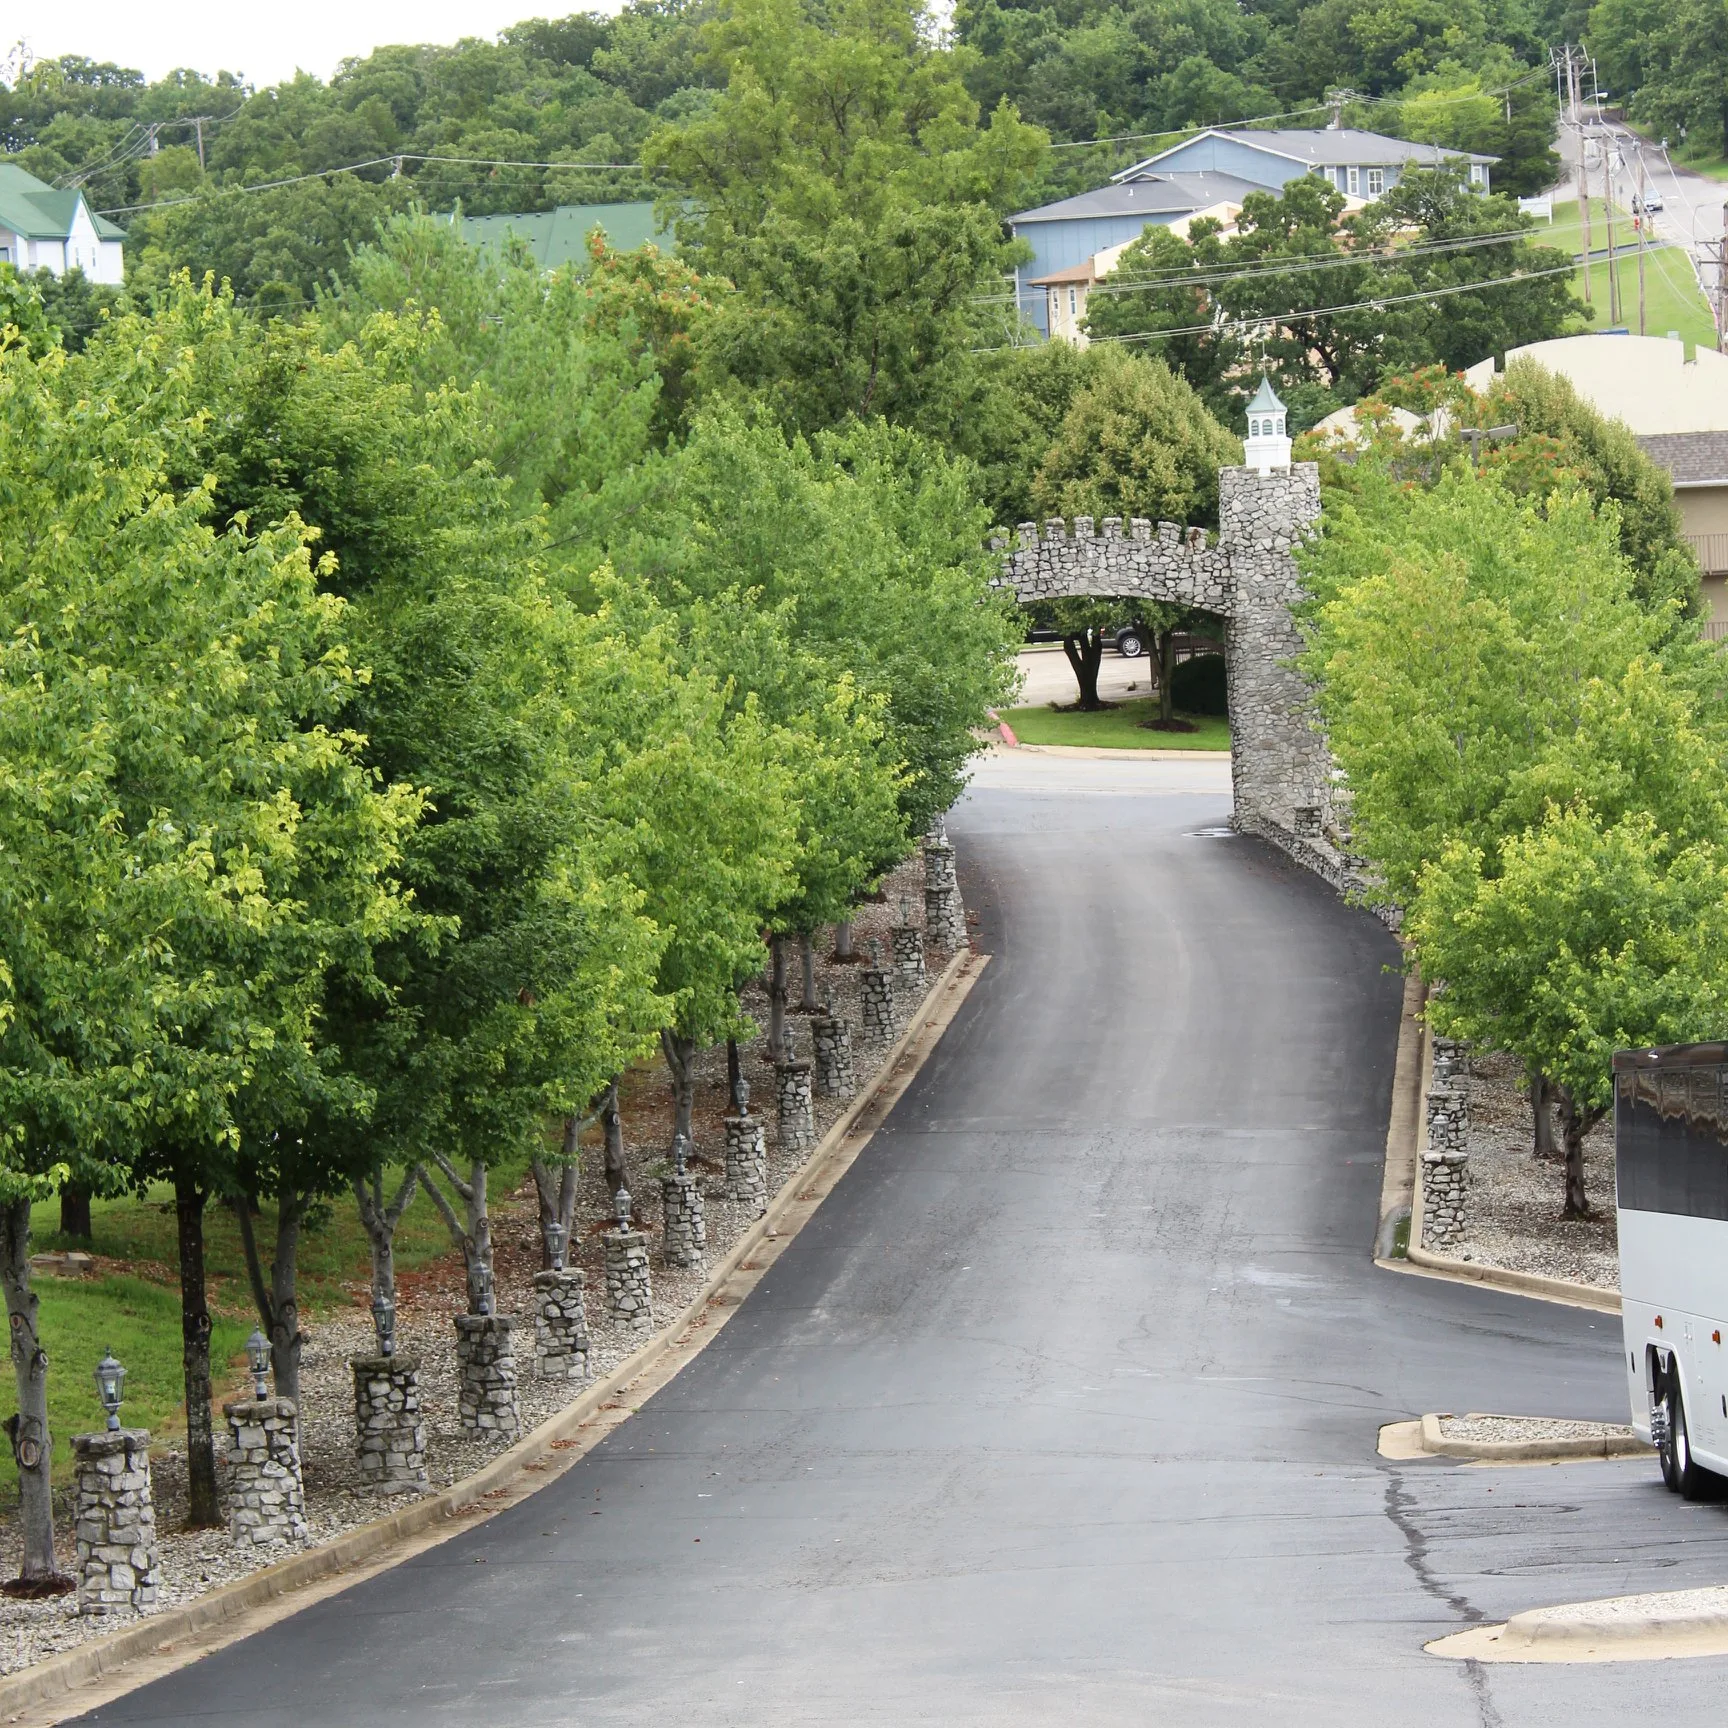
column 410, row 717
column 1533, row 737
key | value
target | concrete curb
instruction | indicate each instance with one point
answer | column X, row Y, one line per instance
column 1555, row 1451
column 548, row 1450
column 1408, row 1129
column 1115, row 752
column 1615, row 1629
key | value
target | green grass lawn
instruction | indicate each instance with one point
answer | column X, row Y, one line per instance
column 83, row 1318
column 136, row 1312
column 1672, row 300
column 1117, row 728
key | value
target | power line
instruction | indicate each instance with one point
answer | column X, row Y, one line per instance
column 396, row 156
column 1376, row 302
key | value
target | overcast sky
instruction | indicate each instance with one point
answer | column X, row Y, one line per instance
column 263, row 42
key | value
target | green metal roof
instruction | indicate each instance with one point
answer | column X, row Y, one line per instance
column 38, row 211
column 1265, row 398
column 560, row 236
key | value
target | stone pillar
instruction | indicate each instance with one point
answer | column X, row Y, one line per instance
column 1445, row 1185
column 832, row 1040
column 1451, row 1060
column 909, row 963
column 685, row 1242
column 390, row 1436
column 944, row 916
column 560, row 1326
column 114, row 1526
column 266, row 1497
column 746, row 1162
column 876, row 1009
column 1278, row 761
column 629, row 1287
column 1445, row 1167
column 797, row 1108
column 486, row 1375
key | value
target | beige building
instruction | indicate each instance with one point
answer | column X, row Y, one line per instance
column 1677, row 408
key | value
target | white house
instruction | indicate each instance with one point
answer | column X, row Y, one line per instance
column 44, row 228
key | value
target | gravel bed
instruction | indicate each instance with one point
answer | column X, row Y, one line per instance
column 1515, row 1198
column 194, row 1562
column 1478, row 1427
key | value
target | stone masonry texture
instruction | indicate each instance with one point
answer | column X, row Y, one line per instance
column 390, row 1433
column 560, row 1326
column 684, row 1241
column 876, row 1008
column 629, row 1285
column 908, row 942
column 114, row 1522
column 944, row 915
column 797, row 1108
column 1445, row 1184
column 486, row 1374
column 266, row 1496
column 746, row 1176
column 832, row 1040
column 1279, row 762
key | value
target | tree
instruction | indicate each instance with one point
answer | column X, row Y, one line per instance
column 842, row 182
column 1582, row 938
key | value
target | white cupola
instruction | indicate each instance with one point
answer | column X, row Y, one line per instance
column 1267, row 447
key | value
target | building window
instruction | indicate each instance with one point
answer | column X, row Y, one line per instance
column 1073, row 303
column 1376, row 182
column 1478, row 174
column 1353, row 181
column 1055, row 305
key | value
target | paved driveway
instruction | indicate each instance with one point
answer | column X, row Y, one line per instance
column 1063, row 1409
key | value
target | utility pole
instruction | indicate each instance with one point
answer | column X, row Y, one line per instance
column 199, row 123
column 1643, row 237
column 1608, row 222
column 1571, row 71
column 1722, row 286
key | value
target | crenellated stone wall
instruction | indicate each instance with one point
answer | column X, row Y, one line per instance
column 1280, row 767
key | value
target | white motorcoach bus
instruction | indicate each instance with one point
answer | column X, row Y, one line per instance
column 1671, row 1170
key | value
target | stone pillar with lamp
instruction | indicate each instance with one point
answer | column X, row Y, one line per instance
column 114, row 1521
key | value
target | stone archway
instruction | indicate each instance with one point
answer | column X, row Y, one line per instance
column 1279, row 767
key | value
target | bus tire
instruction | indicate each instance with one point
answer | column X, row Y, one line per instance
column 1680, row 1470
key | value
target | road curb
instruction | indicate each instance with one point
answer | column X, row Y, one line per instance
column 1555, row 1451
column 1109, row 752
column 1614, row 1629
column 548, row 1450
column 1408, row 1129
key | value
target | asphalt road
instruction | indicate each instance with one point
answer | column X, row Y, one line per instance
column 1063, row 1409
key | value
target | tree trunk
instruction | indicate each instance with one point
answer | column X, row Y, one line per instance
column 202, row 1509
column 32, row 1445
column 1085, row 653
column 843, row 939
column 278, row 1304
column 379, row 1222
column 1165, row 641
column 556, row 1192
column 75, row 1212
column 776, row 995
column 1542, row 1143
column 1574, row 1125
column 807, row 1002
column 680, row 1053
column 472, row 1233
column 612, row 1121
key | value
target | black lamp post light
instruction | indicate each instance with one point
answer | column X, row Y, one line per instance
column 621, row 1210
column 258, row 1355
column 110, row 1385
column 384, row 1324
column 557, row 1241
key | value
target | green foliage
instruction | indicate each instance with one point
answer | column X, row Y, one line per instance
column 841, row 181
column 1295, row 252
column 1669, row 63
column 1199, row 686
column 1135, row 441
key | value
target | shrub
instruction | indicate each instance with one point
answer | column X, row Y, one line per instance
column 1198, row 685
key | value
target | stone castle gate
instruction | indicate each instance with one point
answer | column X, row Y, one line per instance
column 1279, row 765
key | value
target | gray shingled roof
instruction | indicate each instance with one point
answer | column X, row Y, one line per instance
column 1151, row 196
column 1321, row 146
column 1693, row 458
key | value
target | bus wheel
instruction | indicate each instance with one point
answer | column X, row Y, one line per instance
column 1680, row 1470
